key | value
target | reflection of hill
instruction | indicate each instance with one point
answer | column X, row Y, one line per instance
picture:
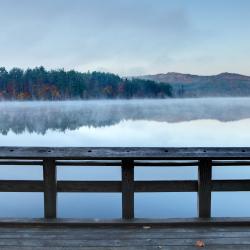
column 38, row 117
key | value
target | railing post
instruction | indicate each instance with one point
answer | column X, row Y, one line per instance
column 204, row 188
column 127, row 189
column 50, row 188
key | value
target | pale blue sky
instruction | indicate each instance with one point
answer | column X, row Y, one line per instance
column 128, row 37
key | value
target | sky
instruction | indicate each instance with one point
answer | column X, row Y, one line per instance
column 127, row 37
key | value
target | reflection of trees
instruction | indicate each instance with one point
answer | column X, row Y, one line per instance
column 39, row 117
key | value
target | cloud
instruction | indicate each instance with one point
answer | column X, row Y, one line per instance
column 121, row 36
column 85, row 34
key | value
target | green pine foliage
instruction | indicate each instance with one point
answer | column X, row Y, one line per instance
column 42, row 84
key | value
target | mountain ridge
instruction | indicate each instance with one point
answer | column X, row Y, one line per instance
column 190, row 85
column 182, row 77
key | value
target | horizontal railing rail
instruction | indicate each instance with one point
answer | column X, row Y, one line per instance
column 127, row 159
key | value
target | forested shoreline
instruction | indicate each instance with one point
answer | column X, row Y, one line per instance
column 42, row 84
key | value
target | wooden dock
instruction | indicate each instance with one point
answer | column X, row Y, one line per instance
column 126, row 232
column 125, row 237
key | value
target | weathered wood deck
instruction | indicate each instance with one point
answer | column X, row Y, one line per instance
column 127, row 237
column 126, row 233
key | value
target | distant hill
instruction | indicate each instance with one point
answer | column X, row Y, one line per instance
column 41, row 84
column 187, row 85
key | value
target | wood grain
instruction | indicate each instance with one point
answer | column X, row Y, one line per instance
column 119, row 153
column 50, row 188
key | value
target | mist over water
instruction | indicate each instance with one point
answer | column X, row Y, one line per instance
column 169, row 122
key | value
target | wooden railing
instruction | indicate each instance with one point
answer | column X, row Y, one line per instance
column 127, row 159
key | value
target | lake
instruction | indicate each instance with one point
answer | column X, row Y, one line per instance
column 169, row 122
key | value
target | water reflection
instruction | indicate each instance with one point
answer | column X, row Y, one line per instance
column 39, row 117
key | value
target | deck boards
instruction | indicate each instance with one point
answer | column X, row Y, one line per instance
column 131, row 234
column 124, row 237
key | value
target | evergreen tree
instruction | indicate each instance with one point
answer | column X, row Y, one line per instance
column 40, row 84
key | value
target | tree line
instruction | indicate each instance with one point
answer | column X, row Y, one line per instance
column 42, row 84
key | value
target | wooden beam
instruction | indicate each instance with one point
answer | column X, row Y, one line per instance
column 67, row 223
column 231, row 163
column 127, row 189
column 119, row 153
column 230, row 185
column 50, row 188
column 116, row 186
column 204, row 188
column 165, row 164
column 89, row 163
column 89, row 186
column 21, row 163
column 21, row 186
column 165, row 186
column 136, row 163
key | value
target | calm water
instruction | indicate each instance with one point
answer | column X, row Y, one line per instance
column 173, row 122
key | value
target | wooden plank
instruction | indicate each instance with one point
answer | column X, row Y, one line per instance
column 210, row 247
column 112, row 234
column 118, row 153
column 89, row 186
column 166, row 186
column 156, row 247
column 21, row 186
column 21, row 163
column 50, row 188
column 165, row 164
column 122, row 243
column 89, row 163
column 136, row 163
column 230, row 185
column 116, row 186
column 186, row 223
column 231, row 163
column 127, row 189
column 204, row 188
column 113, row 248
column 137, row 229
